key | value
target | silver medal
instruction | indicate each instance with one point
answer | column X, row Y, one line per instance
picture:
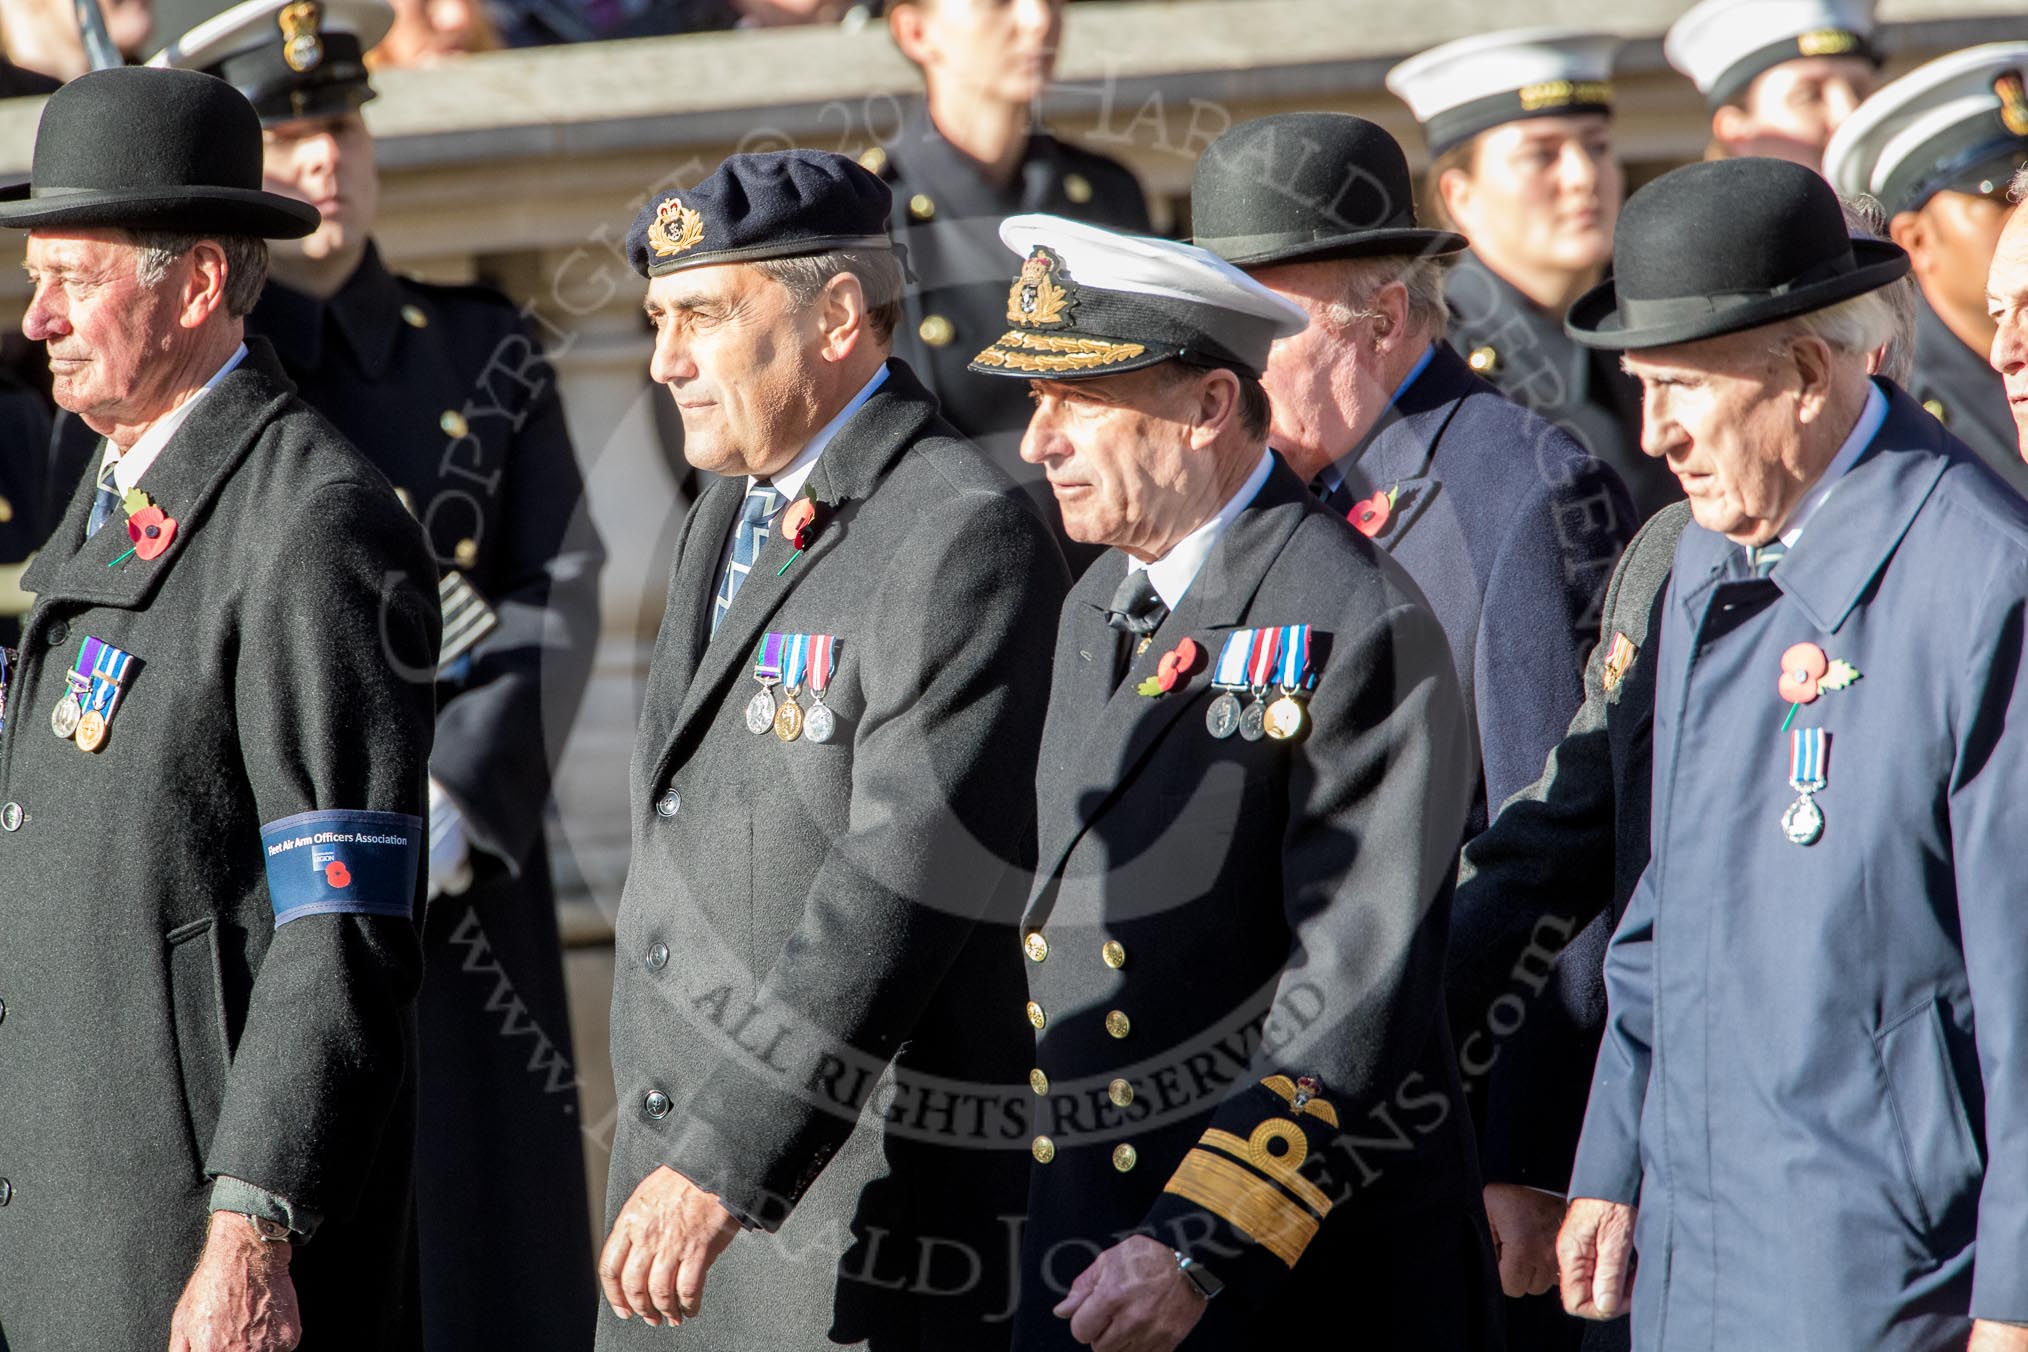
column 1222, row 718
column 819, row 723
column 1253, row 723
column 63, row 720
column 760, row 712
column 1803, row 823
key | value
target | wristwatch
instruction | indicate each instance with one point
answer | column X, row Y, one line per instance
column 267, row 1231
column 1200, row 1278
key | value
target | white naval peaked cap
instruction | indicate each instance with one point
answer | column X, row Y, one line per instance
column 254, row 23
column 1958, row 123
column 1724, row 45
column 1472, row 85
column 1090, row 301
column 291, row 58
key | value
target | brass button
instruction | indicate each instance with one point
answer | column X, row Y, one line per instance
column 1077, row 188
column 1038, row 1081
column 1935, row 408
column 1125, row 1157
column 873, row 160
column 6, row 511
column 1114, row 953
column 937, row 331
column 1484, row 360
column 1116, row 1023
column 466, row 552
column 453, row 423
column 1043, row 1149
column 413, row 316
column 920, row 207
column 1035, row 1014
column 1036, row 946
column 1120, row 1092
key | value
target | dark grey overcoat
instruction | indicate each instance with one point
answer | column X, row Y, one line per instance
column 161, row 1025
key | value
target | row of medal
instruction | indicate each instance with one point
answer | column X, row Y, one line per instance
column 793, row 661
column 1252, row 661
column 92, row 690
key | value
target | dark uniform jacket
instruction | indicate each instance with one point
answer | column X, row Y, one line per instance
column 448, row 392
column 1510, row 531
column 947, row 216
column 1524, row 351
column 162, row 1023
column 1213, row 921
column 1811, row 1081
column 814, row 937
column 24, row 448
column 1964, row 393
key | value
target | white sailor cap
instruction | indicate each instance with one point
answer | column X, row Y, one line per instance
column 1091, row 302
column 291, row 58
column 1725, row 45
column 1958, row 123
column 1475, row 84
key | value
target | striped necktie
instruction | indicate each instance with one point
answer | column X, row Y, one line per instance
column 1763, row 558
column 747, row 538
column 106, row 501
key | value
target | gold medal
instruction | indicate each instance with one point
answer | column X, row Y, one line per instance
column 91, row 730
column 1284, row 718
column 789, row 719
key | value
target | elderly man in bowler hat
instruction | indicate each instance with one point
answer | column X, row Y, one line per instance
column 1809, row 1112
column 211, row 784
column 1253, row 778
column 815, row 1029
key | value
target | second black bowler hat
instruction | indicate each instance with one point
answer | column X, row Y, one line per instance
column 1719, row 247
column 1304, row 186
column 139, row 149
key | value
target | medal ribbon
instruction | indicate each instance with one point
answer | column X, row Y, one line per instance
column 87, row 659
column 823, row 657
column 1260, row 663
column 1807, row 751
column 767, row 660
column 1294, row 667
column 4, row 663
column 1231, row 673
column 109, row 668
column 795, row 661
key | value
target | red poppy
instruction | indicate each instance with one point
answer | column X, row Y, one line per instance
column 1369, row 517
column 336, row 874
column 799, row 523
column 1803, row 667
column 151, row 529
column 1176, row 665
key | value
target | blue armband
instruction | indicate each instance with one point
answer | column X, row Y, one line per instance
column 343, row 863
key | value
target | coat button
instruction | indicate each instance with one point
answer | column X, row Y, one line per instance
column 1036, row 946
column 1043, row 1149
column 1035, row 1014
column 56, row 634
column 937, row 331
column 1077, row 188
column 10, row 817
column 921, row 207
column 6, row 511
column 1117, row 1023
column 1484, row 360
column 466, row 552
column 1120, row 1092
column 1125, row 1157
column 873, row 160
column 6, row 1192
column 658, row 957
column 1038, row 1081
column 656, row 1105
column 453, row 423
column 413, row 316
column 669, row 804
column 1114, row 953
column 3, row 1011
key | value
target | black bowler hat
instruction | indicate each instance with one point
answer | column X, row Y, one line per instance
column 1305, row 186
column 291, row 58
column 140, row 149
column 779, row 204
column 1727, row 245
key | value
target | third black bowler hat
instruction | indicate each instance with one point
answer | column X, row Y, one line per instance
column 1717, row 247
column 1302, row 186
column 140, row 149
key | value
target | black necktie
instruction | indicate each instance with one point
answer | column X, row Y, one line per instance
column 1338, row 499
column 1137, row 611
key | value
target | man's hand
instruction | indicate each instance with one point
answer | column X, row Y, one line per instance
column 1132, row 1299
column 664, row 1241
column 240, row 1298
column 1524, row 1222
column 1594, row 1251
column 1990, row 1337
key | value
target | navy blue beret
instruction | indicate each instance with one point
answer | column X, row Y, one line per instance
column 774, row 205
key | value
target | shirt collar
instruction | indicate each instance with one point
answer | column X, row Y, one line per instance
column 1332, row 476
column 791, row 480
column 128, row 468
column 1173, row 573
column 1871, row 419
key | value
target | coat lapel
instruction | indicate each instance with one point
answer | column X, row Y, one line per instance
column 1400, row 453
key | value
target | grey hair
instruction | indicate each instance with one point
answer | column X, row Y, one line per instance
column 2017, row 191
column 1866, row 218
column 1422, row 277
column 878, row 272
column 246, row 263
column 1856, row 326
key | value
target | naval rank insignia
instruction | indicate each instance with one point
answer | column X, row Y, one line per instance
column 767, row 669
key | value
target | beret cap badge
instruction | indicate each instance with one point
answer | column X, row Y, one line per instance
column 302, row 44
column 1038, row 300
column 677, row 228
column 2013, row 103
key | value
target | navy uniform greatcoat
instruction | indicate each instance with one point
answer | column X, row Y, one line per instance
column 160, row 1024
column 1214, row 921
column 1966, row 394
column 1811, row 1081
column 1510, row 531
column 1524, row 351
column 448, row 392
column 817, row 961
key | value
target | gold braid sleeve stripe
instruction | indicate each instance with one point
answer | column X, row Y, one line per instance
column 1309, row 1193
column 1240, row 1198
column 1045, row 353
